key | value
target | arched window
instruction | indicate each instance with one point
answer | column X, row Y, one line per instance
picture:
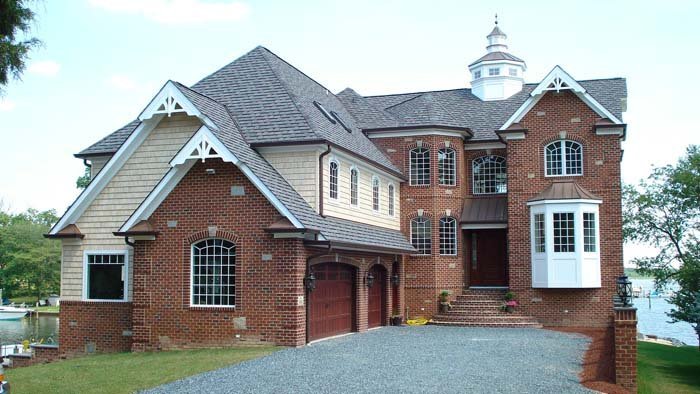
column 333, row 179
column 447, row 167
column 390, row 192
column 448, row 236
column 419, row 170
column 421, row 235
column 213, row 273
column 375, row 194
column 489, row 175
column 353, row 186
column 563, row 158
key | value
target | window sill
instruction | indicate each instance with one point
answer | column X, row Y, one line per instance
column 105, row 301
column 213, row 307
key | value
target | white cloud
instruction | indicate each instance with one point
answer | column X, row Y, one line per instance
column 178, row 11
column 6, row 105
column 47, row 68
column 122, row 82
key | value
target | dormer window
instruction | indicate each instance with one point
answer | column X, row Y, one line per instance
column 477, row 74
column 493, row 71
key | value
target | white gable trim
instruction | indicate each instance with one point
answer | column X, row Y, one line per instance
column 110, row 169
column 183, row 161
column 558, row 80
column 170, row 100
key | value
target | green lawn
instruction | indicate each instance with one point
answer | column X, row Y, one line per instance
column 124, row 372
column 666, row 369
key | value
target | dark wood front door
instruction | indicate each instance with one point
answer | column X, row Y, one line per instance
column 487, row 257
column 376, row 298
column 331, row 303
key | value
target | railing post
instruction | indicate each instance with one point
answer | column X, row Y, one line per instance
column 626, row 347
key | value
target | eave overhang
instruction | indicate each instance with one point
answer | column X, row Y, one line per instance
column 337, row 245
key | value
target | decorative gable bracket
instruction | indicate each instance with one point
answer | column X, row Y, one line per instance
column 203, row 145
column 171, row 100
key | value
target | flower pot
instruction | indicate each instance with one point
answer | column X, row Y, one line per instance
column 510, row 309
column 445, row 307
column 396, row 320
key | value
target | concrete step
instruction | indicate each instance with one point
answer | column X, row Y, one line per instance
column 482, row 324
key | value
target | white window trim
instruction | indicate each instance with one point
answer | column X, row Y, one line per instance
column 359, row 177
column 391, row 199
column 337, row 179
column 563, row 158
column 379, row 193
column 410, row 223
column 454, row 238
column 192, row 305
column 86, row 283
column 474, row 178
column 454, row 167
column 410, row 167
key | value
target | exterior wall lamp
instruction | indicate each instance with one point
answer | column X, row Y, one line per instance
column 624, row 290
column 310, row 281
column 369, row 279
column 395, row 279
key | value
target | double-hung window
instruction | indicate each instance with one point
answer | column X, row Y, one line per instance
column 375, row 194
column 390, row 195
column 353, row 187
column 421, row 235
column 333, row 179
column 448, row 236
column 447, row 167
column 419, row 170
column 563, row 158
column 106, row 275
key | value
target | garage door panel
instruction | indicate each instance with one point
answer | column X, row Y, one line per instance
column 332, row 302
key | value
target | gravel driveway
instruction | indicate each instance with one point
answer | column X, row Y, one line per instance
column 426, row 359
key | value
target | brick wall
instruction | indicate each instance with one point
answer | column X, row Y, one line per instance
column 266, row 308
column 556, row 114
column 86, row 326
column 626, row 348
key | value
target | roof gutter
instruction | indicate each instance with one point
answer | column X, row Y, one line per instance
column 356, row 247
column 320, row 179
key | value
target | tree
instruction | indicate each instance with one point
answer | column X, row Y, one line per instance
column 84, row 180
column 664, row 211
column 29, row 263
column 15, row 17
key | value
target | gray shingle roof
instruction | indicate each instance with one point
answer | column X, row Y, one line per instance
column 498, row 56
column 482, row 117
column 110, row 143
column 333, row 229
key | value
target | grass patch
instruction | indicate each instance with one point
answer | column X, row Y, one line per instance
column 124, row 372
column 667, row 369
column 47, row 308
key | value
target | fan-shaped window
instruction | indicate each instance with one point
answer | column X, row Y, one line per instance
column 563, row 158
column 448, row 236
column 489, row 175
column 421, row 235
column 390, row 192
column 213, row 273
column 333, row 179
column 419, row 171
column 447, row 167
column 353, row 186
column 375, row 194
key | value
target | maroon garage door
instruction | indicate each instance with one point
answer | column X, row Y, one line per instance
column 331, row 303
column 376, row 298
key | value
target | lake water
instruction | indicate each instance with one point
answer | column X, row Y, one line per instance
column 33, row 329
column 653, row 319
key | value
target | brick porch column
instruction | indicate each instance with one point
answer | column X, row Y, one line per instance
column 626, row 347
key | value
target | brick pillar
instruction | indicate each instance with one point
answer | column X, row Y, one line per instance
column 626, row 347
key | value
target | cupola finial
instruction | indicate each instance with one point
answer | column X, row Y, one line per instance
column 497, row 19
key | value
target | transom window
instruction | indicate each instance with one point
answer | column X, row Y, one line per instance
column 539, row 235
column 421, row 235
column 375, row 194
column 446, row 166
column 419, row 166
column 494, row 71
column 448, row 236
column 333, row 177
column 106, row 274
column 564, row 239
column 589, row 232
column 353, row 187
column 563, row 158
column 390, row 192
column 489, row 175
column 213, row 273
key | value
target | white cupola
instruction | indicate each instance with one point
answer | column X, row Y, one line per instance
column 498, row 74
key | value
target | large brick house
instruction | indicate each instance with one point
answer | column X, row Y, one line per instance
column 256, row 205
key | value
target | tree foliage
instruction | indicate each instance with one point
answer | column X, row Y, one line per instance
column 29, row 263
column 84, row 180
column 15, row 19
column 664, row 211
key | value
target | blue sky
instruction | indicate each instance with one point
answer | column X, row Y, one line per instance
column 103, row 60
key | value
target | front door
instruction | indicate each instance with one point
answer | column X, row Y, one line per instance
column 487, row 258
column 376, row 298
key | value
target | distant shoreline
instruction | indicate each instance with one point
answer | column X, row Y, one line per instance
column 633, row 274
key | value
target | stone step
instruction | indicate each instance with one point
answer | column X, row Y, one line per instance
column 481, row 324
column 459, row 316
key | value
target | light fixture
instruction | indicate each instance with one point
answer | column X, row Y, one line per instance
column 211, row 171
column 395, row 279
column 369, row 279
column 310, row 281
column 624, row 290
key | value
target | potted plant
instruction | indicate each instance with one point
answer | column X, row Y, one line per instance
column 396, row 320
column 445, row 305
column 509, row 302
